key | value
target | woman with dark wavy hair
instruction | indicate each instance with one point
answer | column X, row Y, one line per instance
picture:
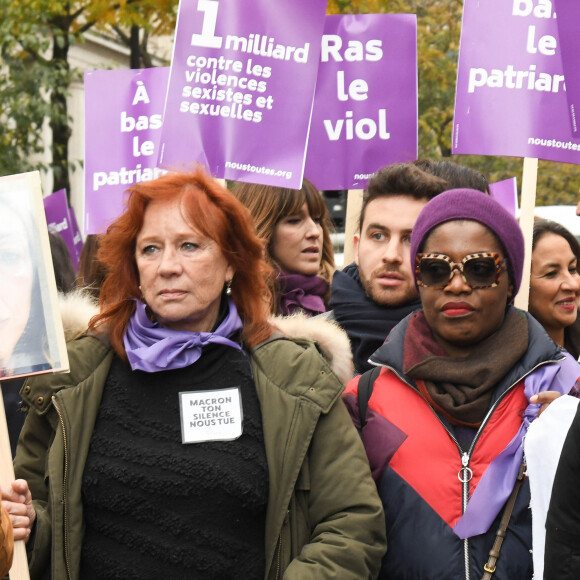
column 191, row 439
column 555, row 283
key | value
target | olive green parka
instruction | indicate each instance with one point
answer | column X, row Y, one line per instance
column 324, row 517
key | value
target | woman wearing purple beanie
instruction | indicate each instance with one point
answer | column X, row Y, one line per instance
column 459, row 383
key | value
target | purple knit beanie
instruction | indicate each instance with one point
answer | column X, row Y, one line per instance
column 470, row 204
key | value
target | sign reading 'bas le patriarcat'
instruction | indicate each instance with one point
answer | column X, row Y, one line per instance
column 123, row 118
column 511, row 90
column 568, row 22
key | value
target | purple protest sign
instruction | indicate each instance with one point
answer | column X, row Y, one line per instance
column 241, row 87
column 511, row 97
column 59, row 222
column 123, row 118
column 77, row 236
column 568, row 23
column 506, row 193
column 365, row 105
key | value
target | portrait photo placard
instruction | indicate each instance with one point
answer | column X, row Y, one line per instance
column 32, row 334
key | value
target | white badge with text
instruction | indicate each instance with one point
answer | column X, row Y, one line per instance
column 211, row 415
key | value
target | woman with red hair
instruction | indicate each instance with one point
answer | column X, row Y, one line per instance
column 191, row 439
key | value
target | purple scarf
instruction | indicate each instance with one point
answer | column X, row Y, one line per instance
column 152, row 348
column 497, row 483
column 297, row 292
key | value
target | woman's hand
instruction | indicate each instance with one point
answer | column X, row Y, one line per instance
column 17, row 500
column 544, row 399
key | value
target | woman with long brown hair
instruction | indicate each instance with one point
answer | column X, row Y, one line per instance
column 191, row 440
column 295, row 227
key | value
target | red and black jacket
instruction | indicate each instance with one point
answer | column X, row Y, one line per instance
column 418, row 465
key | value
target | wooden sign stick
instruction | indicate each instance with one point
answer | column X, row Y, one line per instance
column 19, row 570
column 353, row 207
column 528, row 205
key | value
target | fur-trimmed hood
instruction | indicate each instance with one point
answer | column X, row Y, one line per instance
column 330, row 337
column 77, row 308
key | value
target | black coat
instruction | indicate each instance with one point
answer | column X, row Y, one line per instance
column 562, row 556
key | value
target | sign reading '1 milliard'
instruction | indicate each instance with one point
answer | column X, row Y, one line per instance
column 241, row 87
column 511, row 91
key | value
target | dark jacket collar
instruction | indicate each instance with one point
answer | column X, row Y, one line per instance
column 366, row 322
column 541, row 350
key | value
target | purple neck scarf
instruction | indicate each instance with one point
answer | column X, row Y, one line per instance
column 497, row 483
column 152, row 348
column 298, row 292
